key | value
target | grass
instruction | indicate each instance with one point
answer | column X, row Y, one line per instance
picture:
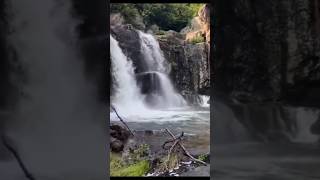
column 202, row 157
column 168, row 164
column 139, row 167
column 197, row 39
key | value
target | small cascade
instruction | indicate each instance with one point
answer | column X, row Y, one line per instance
column 165, row 95
column 204, row 101
column 305, row 118
column 227, row 127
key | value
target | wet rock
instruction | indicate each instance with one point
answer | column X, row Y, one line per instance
column 276, row 55
column 198, row 171
column 315, row 128
column 189, row 64
column 129, row 42
column 119, row 137
column 149, row 82
column 148, row 132
column 116, row 145
column 118, row 132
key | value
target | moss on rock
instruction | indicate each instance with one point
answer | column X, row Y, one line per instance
column 119, row 168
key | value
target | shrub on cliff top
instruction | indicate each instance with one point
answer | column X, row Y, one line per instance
column 197, row 39
column 173, row 16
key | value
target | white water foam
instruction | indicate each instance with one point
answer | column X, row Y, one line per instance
column 127, row 99
column 204, row 101
column 156, row 62
column 305, row 117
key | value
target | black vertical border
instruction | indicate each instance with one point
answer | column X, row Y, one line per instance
column 108, row 85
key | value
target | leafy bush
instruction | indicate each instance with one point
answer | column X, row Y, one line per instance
column 197, row 39
column 160, row 33
column 202, row 157
column 129, row 12
column 140, row 153
column 172, row 16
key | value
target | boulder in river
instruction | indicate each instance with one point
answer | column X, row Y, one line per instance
column 119, row 137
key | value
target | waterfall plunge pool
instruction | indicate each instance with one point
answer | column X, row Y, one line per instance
column 194, row 122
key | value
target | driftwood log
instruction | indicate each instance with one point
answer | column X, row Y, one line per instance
column 177, row 142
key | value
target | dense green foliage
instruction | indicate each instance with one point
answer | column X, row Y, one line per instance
column 119, row 168
column 167, row 16
column 137, row 166
column 202, row 157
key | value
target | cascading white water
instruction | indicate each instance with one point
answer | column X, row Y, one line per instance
column 171, row 98
column 57, row 123
column 156, row 63
column 204, row 101
column 304, row 119
column 152, row 53
column 127, row 98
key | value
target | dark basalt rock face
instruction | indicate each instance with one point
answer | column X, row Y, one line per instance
column 119, row 137
column 268, row 52
column 6, row 90
column 129, row 42
column 189, row 62
column 315, row 128
column 149, row 82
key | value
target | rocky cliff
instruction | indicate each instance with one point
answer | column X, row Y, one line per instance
column 189, row 61
column 267, row 53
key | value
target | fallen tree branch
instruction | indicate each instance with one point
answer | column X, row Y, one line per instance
column 184, row 149
column 122, row 120
column 170, row 151
column 18, row 158
column 173, row 140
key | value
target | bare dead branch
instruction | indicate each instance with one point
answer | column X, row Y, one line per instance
column 122, row 120
column 18, row 158
column 184, row 149
column 173, row 140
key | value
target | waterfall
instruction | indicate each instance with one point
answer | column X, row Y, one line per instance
column 157, row 64
column 153, row 56
column 204, row 101
column 57, row 123
column 227, row 127
column 127, row 98
column 305, row 117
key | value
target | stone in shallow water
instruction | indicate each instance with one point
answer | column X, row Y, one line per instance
column 198, row 171
column 119, row 137
column 116, row 145
column 118, row 132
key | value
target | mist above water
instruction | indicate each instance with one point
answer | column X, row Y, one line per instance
column 57, row 126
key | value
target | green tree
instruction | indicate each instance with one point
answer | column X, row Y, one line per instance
column 172, row 16
column 128, row 11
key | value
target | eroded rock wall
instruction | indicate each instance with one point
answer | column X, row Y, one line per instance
column 267, row 56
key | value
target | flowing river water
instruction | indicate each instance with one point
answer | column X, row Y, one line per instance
column 237, row 156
